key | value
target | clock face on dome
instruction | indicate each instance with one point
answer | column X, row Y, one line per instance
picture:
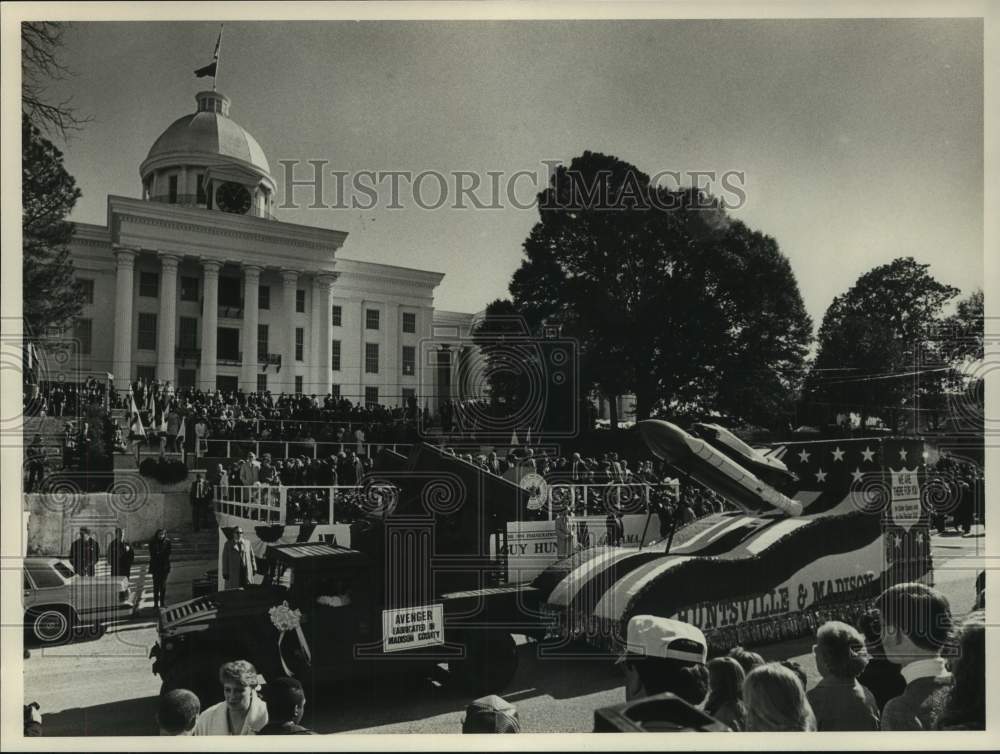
column 232, row 197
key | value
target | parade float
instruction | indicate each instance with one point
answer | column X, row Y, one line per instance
column 852, row 519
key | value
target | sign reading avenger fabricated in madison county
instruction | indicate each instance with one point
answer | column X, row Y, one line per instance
column 412, row 627
column 905, row 500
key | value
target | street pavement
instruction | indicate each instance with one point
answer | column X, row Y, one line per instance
column 103, row 686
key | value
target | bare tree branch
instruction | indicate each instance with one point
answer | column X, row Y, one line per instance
column 40, row 66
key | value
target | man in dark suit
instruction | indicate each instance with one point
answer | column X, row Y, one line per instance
column 159, row 566
column 120, row 555
column 84, row 552
column 199, row 499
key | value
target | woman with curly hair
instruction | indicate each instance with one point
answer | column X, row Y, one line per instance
column 242, row 713
column 839, row 701
column 965, row 708
column 776, row 701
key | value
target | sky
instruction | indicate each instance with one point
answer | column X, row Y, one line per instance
column 860, row 140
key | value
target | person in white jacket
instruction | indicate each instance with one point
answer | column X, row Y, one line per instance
column 243, row 712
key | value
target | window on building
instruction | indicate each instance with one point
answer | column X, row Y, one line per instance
column 371, row 319
column 146, row 328
column 264, row 297
column 83, row 333
column 87, row 289
column 261, row 383
column 189, row 288
column 201, row 198
column 172, row 190
column 298, row 385
column 335, row 391
column 300, row 301
column 409, row 360
column 263, row 347
column 187, row 334
column 409, row 322
column 145, row 372
column 335, row 355
column 230, row 292
column 227, row 344
column 300, row 341
column 185, row 378
column 371, row 397
column 371, row 358
column 337, row 315
column 149, row 284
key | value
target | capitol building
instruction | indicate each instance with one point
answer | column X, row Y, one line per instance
column 195, row 282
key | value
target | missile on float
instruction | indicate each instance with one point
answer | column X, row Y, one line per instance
column 767, row 468
column 714, row 469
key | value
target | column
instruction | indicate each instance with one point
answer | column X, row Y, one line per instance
column 426, row 360
column 209, row 323
column 251, row 282
column 323, row 292
column 124, row 284
column 289, row 367
column 167, row 335
column 392, row 382
column 314, row 353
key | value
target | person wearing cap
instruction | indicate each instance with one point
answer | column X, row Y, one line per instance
column 663, row 654
column 491, row 714
column 286, row 703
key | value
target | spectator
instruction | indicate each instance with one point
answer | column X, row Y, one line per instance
column 776, row 701
column 120, row 555
column 32, row 720
column 491, row 714
column 36, row 464
column 238, row 566
column 725, row 695
column 173, row 422
column 84, row 553
column 799, row 672
column 199, row 500
column 838, row 700
column 916, row 624
column 159, row 566
column 242, row 713
column 747, row 659
column 286, row 703
column 965, row 707
column 881, row 676
column 177, row 712
column 658, row 655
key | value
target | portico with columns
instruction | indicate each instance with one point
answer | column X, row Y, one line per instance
column 195, row 285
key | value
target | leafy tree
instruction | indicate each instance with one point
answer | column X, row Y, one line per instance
column 652, row 284
column 52, row 297
column 40, row 65
column 878, row 355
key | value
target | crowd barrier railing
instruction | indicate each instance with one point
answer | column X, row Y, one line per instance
column 300, row 504
column 282, row 449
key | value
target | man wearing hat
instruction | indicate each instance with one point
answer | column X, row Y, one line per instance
column 286, row 702
column 661, row 655
column 491, row 714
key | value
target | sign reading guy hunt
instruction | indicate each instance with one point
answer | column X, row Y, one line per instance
column 905, row 499
column 412, row 627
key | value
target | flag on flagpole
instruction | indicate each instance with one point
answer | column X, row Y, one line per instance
column 182, row 430
column 513, row 438
column 211, row 68
column 136, row 427
column 527, row 438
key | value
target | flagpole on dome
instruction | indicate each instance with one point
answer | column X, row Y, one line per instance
column 218, row 57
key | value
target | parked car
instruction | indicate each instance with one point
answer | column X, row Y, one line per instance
column 57, row 600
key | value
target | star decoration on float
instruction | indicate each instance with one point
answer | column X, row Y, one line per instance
column 868, row 454
column 804, row 456
column 857, row 475
column 821, row 476
column 902, row 454
column 920, row 537
column 838, row 454
column 898, row 540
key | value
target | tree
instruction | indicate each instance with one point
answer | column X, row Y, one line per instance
column 877, row 352
column 52, row 297
column 40, row 65
column 651, row 284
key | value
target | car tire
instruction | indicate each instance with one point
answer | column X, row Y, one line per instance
column 51, row 625
column 489, row 664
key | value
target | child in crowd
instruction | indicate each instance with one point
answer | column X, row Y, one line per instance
column 838, row 700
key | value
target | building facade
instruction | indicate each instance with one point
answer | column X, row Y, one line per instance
column 197, row 283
